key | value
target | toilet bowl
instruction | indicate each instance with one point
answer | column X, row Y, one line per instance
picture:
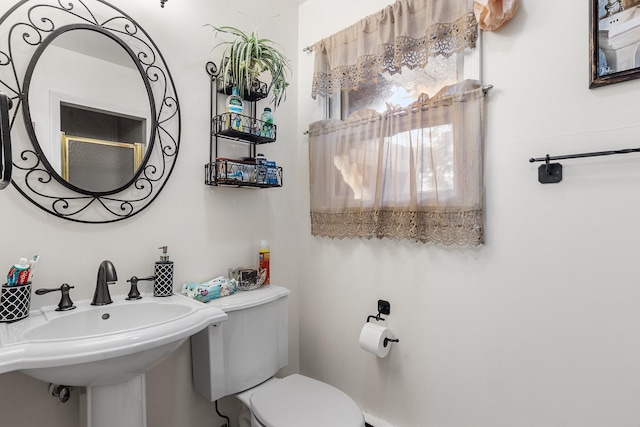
column 296, row 401
column 241, row 355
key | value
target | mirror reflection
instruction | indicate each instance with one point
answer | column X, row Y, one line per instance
column 90, row 110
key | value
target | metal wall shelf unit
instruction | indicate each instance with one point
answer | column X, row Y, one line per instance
column 239, row 128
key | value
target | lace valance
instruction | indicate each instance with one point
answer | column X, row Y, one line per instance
column 407, row 33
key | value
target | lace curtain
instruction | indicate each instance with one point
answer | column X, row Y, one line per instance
column 410, row 173
column 408, row 33
column 413, row 173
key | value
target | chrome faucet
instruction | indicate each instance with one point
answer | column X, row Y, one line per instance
column 106, row 276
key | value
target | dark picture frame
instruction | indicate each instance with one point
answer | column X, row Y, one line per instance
column 614, row 43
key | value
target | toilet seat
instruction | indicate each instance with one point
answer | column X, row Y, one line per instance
column 297, row 400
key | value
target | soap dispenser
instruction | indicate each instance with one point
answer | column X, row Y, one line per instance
column 163, row 284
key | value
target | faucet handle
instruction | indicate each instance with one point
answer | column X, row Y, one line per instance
column 65, row 300
column 133, row 292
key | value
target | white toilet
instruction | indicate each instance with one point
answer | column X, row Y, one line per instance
column 240, row 356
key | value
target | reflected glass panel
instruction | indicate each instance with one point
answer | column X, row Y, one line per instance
column 98, row 165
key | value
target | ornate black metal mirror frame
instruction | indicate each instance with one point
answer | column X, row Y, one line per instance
column 30, row 28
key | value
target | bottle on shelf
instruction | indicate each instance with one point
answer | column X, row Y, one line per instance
column 235, row 106
column 261, row 166
column 267, row 125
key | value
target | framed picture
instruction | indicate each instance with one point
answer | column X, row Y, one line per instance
column 614, row 43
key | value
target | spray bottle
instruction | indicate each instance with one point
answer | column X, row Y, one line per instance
column 265, row 255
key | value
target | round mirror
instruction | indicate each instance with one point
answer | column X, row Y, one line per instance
column 101, row 129
column 89, row 109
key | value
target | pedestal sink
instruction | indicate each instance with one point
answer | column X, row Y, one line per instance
column 106, row 349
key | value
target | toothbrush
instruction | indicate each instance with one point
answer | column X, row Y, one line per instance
column 32, row 266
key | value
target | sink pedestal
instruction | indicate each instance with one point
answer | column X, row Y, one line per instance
column 122, row 405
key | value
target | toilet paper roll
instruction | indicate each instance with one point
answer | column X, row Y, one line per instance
column 372, row 339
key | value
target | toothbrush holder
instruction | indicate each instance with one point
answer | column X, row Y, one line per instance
column 15, row 302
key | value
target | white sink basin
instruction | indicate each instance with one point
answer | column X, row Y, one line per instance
column 101, row 345
column 107, row 319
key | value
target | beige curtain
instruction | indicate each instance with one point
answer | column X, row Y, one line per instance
column 410, row 173
column 413, row 173
column 407, row 33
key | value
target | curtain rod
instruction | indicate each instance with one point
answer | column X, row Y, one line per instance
column 485, row 89
column 551, row 173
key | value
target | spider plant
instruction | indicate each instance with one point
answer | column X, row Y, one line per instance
column 247, row 56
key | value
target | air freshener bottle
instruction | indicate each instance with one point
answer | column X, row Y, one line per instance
column 264, row 255
column 235, row 107
column 163, row 283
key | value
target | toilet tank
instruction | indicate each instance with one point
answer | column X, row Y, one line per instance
column 246, row 349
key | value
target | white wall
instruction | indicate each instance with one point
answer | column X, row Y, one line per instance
column 538, row 327
column 535, row 328
column 207, row 229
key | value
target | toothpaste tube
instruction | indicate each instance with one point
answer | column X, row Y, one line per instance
column 19, row 273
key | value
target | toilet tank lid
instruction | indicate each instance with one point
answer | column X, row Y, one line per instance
column 246, row 299
column 297, row 400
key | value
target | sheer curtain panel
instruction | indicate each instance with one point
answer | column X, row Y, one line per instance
column 413, row 174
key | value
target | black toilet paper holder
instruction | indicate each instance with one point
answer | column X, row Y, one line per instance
column 388, row 340
column 383, row 308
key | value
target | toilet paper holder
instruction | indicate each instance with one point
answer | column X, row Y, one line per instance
column 388, row 340
column 384, row 307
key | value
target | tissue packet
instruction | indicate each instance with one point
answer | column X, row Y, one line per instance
column 212, row 289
